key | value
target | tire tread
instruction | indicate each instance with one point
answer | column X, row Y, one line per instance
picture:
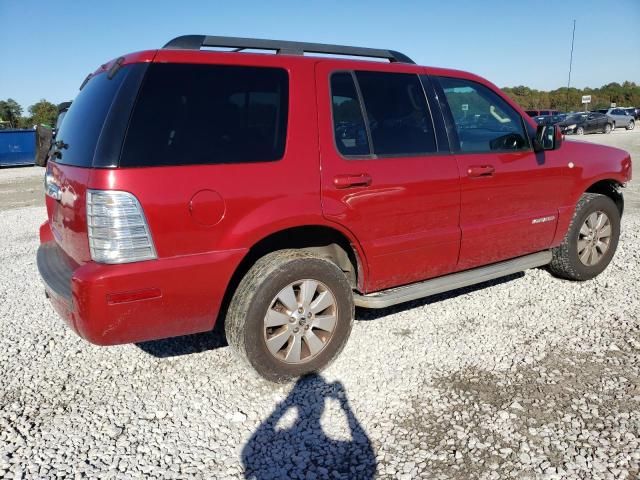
column 270, row 264
column 562, row 264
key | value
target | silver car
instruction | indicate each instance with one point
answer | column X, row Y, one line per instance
column 620, row 117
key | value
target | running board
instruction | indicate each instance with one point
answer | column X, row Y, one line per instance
column 453, row 281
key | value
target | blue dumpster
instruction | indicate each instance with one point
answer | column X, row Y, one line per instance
column 17, row 147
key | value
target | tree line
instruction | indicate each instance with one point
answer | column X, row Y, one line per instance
column 40, row 113
column 626, row 94
column 566, row 99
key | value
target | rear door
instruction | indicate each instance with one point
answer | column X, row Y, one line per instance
column 510, row 195
column 387, row 174
column 600, row 120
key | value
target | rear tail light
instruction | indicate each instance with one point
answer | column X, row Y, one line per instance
column 117, row 228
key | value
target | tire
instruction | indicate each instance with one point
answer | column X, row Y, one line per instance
column 608, row 128
column 631, row 125
column 579, row 131
column 566, row 262
column 258, row 298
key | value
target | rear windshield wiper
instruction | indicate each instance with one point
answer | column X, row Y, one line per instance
column 56, row 147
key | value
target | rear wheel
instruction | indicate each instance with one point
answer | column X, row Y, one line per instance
column 631, row 125
column 591, row 240
column 291, row 315
column 580, row 131
column 607, row 128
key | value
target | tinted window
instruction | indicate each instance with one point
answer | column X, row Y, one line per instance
column 84, row 120
column 577, row 118
column 397, row 113
column 349, row 128
column 201, row 114
column 484, row 121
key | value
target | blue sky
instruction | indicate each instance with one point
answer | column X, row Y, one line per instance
column 48, row 47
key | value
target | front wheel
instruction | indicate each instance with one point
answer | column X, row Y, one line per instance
column 579, row 131
column 591, row 240
column 607, row 128
column 291, row 315
column 631, row 125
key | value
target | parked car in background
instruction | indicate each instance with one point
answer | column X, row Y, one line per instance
column 591, row 122
column 550, row 119
column 620, row 117
column 634, row 112
column 278, row 192
column 537, row 113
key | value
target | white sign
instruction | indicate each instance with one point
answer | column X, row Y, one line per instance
column 465, row 107
column 586, row 99
column 613, row 105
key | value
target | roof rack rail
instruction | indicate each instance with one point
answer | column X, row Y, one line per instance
column 195, row 42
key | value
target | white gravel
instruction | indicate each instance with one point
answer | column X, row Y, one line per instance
column 527, row 378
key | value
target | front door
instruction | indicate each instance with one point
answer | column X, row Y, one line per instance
column 510, row 194
column 386, row 176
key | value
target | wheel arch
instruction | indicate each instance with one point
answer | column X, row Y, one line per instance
column 325, row 241
column 611, row 188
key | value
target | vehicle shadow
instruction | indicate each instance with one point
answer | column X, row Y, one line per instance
column 302, row 449
column 202, row 342
column 184, row 345
column 364, row 314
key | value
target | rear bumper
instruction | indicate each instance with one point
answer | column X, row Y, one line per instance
column 114, row 304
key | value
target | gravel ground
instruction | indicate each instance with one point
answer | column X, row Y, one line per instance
column 21, row 187
column 529, row 377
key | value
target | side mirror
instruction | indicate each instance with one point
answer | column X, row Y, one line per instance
column 548, row 137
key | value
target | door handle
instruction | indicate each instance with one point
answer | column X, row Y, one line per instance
column 481, row 171
column 346, row 181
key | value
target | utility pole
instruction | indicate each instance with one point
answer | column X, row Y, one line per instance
column 573, row 37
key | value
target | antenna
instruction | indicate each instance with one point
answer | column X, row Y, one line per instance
column 573, row 37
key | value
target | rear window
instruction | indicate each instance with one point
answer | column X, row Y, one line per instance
column 207, row 114
column 85, row 118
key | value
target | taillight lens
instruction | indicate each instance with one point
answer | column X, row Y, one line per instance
column 117, row 228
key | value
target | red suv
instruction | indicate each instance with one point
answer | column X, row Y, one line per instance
column 277, row 192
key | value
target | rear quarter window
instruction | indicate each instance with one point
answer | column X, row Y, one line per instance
column 208, row 114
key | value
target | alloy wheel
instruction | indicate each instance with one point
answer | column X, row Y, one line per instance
column 594, row 238
column 300, row 321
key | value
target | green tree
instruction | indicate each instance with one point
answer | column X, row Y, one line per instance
column 626, row 94
column 43, row 112
column 10, row 111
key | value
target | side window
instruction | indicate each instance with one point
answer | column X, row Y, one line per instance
column 484, row 121
column 397, row 113
column 348, row 125
column 208, row 114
